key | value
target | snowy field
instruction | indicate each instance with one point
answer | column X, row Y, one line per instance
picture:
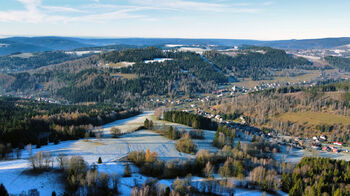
column 14, row 175
column 205, row 143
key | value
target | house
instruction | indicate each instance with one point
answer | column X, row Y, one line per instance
column 323, row 137
column 325, row 148
column 335, row 150
column 315, row 146
column 338, row 143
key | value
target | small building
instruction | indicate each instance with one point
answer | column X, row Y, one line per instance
column 338, row 143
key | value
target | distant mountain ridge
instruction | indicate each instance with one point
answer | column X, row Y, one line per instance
column 38, row 44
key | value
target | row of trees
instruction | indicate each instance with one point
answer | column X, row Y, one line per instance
column 193, row 120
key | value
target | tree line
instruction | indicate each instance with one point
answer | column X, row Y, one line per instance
column 193, row 120
column 37, row 123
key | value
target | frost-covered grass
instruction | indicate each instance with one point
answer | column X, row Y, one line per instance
column 205, row 143
column 15, row 178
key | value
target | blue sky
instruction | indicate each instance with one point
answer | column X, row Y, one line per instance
column 233, row 19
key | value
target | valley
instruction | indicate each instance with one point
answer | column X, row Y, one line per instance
column 124, row 119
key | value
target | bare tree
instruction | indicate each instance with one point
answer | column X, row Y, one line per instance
column 18, row 153
column 61, row 159
column 29, row 149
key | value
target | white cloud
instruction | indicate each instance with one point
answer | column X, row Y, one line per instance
column 30, row 14
column 36, row 12
column 179, row 5
column 60, row 9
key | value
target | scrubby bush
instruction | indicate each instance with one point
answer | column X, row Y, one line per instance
column 173, row 133
column 127, row 171
column 138, row 158
column 202, row 157
column 75, row 172
column 183, row 187
column 185, row 144
column 208, row 171
column 266, row 179
column 40, row 161
column 150, row 187
column 232, row 168
column 196, row 134
column 115, row 132
column 148, row 124
column 224, row 136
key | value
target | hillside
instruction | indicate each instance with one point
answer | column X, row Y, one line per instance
column 27, row 61
column 256, row 62
column 295, row 111
column 339, row 62
column 132, row 76
column 39, row 44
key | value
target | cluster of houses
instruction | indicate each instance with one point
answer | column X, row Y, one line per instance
column 331, row 148
column 334, row 147
column 317, row 139
column 171, row 101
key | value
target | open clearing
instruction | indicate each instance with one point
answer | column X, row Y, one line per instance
column 120, row 64
column 127, row 76
column 314, row 118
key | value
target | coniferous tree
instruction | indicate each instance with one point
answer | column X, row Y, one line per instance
column 3, row 191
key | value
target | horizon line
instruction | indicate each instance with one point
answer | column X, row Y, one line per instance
column 185, row 38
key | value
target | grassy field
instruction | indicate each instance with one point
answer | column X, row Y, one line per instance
column 127, row 76
column 121, row 64
column 314, row 118
column 24, row 55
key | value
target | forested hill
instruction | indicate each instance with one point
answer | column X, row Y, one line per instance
column 26, row 61
column 133, row 55
column 339, row 62
column 124, row 77
column 185, row 74
column 256, row 62
column 39, row 44
column 30, row 119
